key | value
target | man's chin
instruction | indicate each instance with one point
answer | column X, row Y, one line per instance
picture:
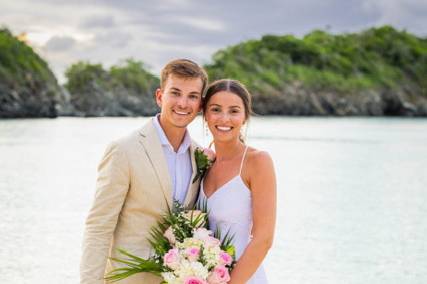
column 181, row 125
column 183, row 122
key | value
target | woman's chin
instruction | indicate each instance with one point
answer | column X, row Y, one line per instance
column 221, row 138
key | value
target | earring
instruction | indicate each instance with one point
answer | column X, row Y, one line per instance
column 244, row 132
column 207, row 135
column 206, row 130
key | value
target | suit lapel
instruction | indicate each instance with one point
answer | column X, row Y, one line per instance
column 152, row 146
column 193, row 188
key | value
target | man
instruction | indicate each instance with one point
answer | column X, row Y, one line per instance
column 140, row 175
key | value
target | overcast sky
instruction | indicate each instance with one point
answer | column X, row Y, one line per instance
column 156, row 31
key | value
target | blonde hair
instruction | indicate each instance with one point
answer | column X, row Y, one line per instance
column 183, row 68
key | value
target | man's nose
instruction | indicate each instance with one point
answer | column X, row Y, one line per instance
column 182, row 102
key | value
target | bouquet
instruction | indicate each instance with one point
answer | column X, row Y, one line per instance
column 185, row 251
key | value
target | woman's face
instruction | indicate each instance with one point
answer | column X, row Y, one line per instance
column 225, row 116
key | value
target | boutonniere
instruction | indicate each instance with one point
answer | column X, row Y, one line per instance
column 204, row 160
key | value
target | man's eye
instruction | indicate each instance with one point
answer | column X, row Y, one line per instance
column 175, row 93
column 194, row 97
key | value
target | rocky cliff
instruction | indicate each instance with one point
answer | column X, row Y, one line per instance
column 28, row 88
column 377, row 72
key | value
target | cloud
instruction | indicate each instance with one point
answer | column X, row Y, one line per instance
column 98, row 21
column 203, row 24
column 153, row 31
column 407, row 14
column 59, row 43
column 112, row 39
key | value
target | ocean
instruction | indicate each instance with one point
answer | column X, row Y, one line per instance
column 352, row 196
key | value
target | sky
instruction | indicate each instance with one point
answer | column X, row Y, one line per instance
column 156, row 31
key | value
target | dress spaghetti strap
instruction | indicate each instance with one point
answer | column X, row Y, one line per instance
column 243, row 159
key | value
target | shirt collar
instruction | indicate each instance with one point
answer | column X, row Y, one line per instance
column 164, row 140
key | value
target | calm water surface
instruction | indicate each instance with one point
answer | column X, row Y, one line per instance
column 352, row 196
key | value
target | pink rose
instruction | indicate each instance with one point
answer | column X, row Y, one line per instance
column 171, row 258
column 170, row 235
column 192, row 253
column 194, row 280
column 219, row 275
column 225, row 258
column 210, row 154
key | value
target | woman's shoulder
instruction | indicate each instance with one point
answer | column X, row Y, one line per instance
column 257, row 155
column 259, row 169
column 258, row 160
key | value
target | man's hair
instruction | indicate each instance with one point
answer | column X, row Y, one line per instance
column 186, row 69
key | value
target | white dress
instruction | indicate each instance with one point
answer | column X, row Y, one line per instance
column 230, row 208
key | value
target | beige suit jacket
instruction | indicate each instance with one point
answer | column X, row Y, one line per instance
column 134, row 190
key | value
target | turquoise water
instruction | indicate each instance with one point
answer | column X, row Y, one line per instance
column 351, row 196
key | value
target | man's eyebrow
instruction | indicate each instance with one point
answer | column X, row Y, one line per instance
column 179, row 90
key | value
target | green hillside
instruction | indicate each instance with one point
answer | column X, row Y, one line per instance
column 380, row 71
column 376, row 72
column 123, row 90
column 28, row 87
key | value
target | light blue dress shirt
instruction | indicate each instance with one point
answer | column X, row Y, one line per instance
column 179, row 163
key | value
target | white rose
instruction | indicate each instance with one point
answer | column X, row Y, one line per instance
column 202, row 234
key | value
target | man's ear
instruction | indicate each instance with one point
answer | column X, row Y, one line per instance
column 159, row 97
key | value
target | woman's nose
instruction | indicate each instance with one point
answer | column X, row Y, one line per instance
column 224, row 116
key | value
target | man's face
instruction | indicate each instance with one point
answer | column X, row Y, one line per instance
column 179, row 101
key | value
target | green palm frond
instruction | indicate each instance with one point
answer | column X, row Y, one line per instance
column 202, row 206
column 134, row 264
column 226, row 241
column 158, row 241
column 198, row 220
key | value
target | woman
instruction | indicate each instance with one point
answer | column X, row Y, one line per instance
column 240, row 187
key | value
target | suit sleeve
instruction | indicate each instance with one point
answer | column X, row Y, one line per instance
column 111, row 189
